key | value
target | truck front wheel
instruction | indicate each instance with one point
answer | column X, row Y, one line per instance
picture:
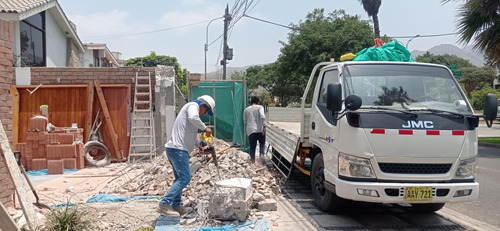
column 325, row 200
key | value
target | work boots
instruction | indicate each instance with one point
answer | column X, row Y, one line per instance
column 167, row 210
column 184, row 210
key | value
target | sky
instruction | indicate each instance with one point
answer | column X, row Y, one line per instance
column 181, row 28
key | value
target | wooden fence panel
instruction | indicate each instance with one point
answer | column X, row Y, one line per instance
column 68, row 104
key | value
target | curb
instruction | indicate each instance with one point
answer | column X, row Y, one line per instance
column 466, row 221
column 490, row 145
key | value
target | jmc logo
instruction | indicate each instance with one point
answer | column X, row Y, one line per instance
column 418, row 124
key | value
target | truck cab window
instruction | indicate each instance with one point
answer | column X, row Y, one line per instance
column 406, row 87
column 331, row 76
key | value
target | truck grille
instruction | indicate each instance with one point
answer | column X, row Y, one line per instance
column 414, row 168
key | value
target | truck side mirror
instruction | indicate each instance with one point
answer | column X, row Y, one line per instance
column 490, row 108
column 334, row 97
column 353, row 102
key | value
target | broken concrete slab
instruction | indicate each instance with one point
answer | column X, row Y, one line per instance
column 241, row 188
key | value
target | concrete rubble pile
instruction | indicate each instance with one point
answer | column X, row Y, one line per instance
column 242, row 192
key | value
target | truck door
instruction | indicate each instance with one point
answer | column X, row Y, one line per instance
column 324, row 129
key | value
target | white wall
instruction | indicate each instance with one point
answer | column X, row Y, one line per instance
column 56, row 45
column 87, row 58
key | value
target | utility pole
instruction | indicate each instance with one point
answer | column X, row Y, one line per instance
column 225, row 50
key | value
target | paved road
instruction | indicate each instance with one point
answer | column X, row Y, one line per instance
column 362, row 216
column 485, row 209
column 493, row 131
column 481, row 214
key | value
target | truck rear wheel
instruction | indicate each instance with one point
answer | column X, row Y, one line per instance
column 427, row 208
column 325, row 200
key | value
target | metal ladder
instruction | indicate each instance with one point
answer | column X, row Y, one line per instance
column 142, row 138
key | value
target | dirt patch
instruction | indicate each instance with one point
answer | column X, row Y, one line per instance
column 153, row 178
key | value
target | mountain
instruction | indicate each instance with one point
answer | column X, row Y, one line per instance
column 217, row 75
column 466, row 53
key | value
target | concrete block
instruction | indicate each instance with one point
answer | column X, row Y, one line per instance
column 53, row 152
column 69, row 163
column 68, row 151
column 38, row 164
column 55, row 166
column 80, row 162
column 222, row 207
column 267, row 205
column 241, row 188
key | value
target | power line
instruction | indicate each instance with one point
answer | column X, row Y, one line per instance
column 292, row 28
column 145, row 32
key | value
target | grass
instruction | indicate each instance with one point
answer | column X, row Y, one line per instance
column 68, row 218
column 489, row 140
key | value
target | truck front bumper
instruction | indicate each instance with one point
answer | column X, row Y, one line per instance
column 395, row 192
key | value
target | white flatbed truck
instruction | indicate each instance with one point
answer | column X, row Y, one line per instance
column 382, row 132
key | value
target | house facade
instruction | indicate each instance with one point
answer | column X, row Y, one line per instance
column 43, row 35
column 98, row 55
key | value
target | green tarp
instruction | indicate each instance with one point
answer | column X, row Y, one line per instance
column 230, row 101
column 391, row 51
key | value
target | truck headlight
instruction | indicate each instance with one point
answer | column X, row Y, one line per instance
column 351, row 166
column 466, row 169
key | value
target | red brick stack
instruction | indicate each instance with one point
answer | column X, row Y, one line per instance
column 54, row 150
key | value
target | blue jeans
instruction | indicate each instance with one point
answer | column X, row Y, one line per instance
column 179, row 159
column 254, row 137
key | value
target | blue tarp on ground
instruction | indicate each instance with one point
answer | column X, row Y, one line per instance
column 39, row 176
column 43, row 172
column 164, row 223
column 103, row 197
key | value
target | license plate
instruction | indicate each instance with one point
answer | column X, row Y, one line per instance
column 418, row 193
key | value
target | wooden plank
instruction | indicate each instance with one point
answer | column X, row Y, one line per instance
column 90, row 103
column 107, row 117
column 19, row 183
column 15, row 114
column 6, row 222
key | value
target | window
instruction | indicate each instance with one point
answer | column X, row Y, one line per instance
column 32, row 34
column 329, row 77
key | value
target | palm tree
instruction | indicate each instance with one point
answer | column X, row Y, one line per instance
column 371, row 7
column 480, row 21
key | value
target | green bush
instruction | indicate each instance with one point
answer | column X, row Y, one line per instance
column 478, row 96
column 68, row 218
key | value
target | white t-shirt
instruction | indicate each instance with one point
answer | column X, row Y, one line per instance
column 185, row 128
column 254, row 119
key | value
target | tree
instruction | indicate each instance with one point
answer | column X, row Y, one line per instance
column 472, row 76
column 266, row 77
column 444, row 60
column 479, row 21
column 317, row 39
column 371, row 7
column 153, row 60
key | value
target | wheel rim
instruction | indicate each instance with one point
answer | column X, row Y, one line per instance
column 319, row 180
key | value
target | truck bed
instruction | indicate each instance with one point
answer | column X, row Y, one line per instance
column 283, row 137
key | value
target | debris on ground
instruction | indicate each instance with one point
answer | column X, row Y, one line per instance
column 245, row 193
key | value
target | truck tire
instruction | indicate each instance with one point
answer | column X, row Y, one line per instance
column 324, row 199
column 427, row 208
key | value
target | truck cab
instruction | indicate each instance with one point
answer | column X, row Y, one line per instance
column 390, row 132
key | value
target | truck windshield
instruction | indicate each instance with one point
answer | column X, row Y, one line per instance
column 405, row 86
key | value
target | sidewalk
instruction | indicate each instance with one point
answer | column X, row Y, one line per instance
column 290, row 218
